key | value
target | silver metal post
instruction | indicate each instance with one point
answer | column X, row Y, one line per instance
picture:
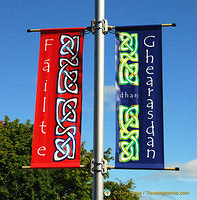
column 98, row 100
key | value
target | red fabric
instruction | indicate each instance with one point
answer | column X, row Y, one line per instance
column 57, row 125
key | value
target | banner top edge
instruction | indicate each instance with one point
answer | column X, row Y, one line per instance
column 139, row 27
column 55, row 30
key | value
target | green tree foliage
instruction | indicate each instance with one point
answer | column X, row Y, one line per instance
column 120, row 190
column 41, row 184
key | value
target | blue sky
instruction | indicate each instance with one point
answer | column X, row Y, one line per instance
column 18, row 73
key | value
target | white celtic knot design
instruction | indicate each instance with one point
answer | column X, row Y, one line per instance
column 128, row 68
column 128, row 119
column 65, row 148
column 66, row 111
column 70, row 47
column 68, row 79
column 66, row 107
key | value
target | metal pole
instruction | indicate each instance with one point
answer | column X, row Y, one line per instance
column 98, row 100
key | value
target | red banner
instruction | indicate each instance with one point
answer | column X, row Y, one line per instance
column 57, row 125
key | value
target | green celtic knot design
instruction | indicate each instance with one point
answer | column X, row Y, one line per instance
column 128, row 73
column 129, row 149
column 128, row 68
column 128, row 119
column 129, row 42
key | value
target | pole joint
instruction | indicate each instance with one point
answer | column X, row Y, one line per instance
column 98, row 167
column 102, row 24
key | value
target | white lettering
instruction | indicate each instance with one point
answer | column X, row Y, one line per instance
column 148, row 70
column 150, row 113
column 121, row 95
column 150, row 129
column 150, row 81
column 148, row 153
column 128, row 95
column 150, row 104
column 42, row 127
column 149, row 42
column 149, row 56
column 46, row 68
column 149, row 91
column 45, row 86
column 150, row 143
column 149, row 45
column 47, row 44
column 44, row 104
column 40, row 149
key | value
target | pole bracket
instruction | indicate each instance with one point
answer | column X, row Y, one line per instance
column 98, row 167
column 95, row 25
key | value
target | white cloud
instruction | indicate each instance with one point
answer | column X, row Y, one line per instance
column 110, row 93
column 188, row 172
column 147, row 198
column 109, row 98
column 189, row 169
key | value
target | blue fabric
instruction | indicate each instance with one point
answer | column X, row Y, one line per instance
column 139, row 89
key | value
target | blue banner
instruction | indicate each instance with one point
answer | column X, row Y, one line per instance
column 139, row 98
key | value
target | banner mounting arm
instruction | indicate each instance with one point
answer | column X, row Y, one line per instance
column 29, row 167
column 106, row 28
column 165, row 168
column 109, row 167
column 168, row 25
